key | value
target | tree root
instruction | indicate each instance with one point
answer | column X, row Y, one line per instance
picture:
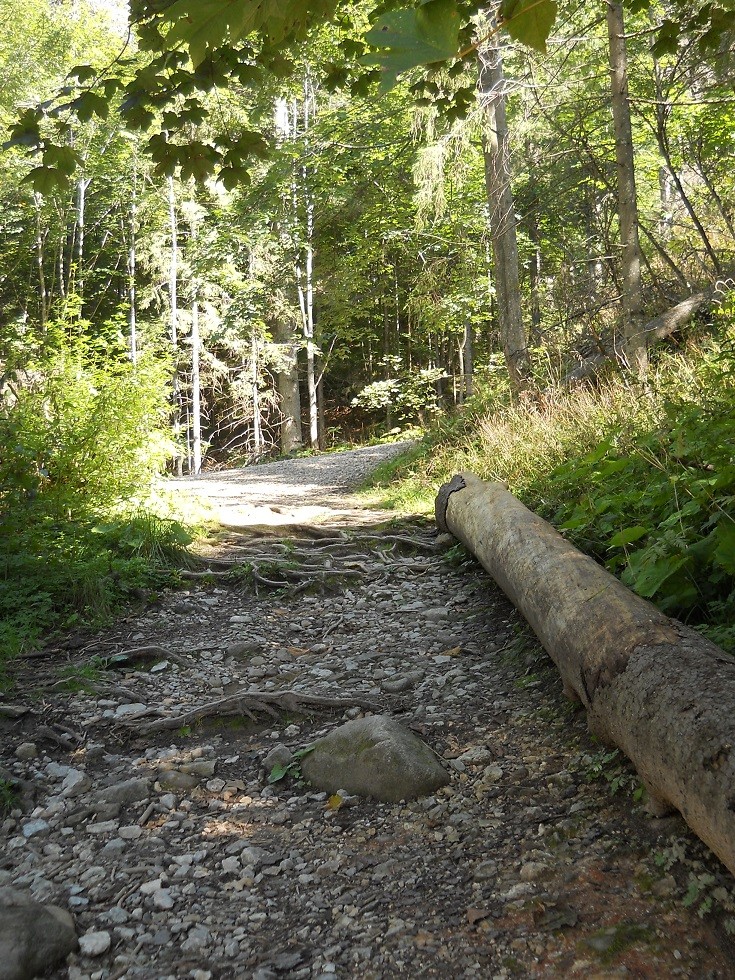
column 248, row 702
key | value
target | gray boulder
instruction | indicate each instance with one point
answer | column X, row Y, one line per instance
column 377, row 757
column 32, row 936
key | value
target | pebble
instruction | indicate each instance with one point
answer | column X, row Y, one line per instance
column 94, row 943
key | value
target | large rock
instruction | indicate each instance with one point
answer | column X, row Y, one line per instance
column 32, row 936
column 377, row 757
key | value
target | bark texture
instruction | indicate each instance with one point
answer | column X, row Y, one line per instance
column 652, row 687
column 635, row 343
column 501, row 210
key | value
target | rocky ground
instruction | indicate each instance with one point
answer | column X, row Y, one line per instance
column 145, row 808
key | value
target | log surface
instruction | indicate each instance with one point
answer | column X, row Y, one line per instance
column 652, row 687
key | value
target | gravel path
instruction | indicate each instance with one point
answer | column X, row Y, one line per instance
column 291, row 490
column 178, row 859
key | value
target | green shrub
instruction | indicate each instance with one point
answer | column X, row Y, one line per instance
column 82, row 434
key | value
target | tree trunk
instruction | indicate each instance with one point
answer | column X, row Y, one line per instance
column 288, row 386
column 173, row 301
column 132, row 255
column 652, row 687
column 43, row 299
column 635, row 343
column 468, row 366
column 80, row 209
column 257, row 419
column 196, row 389
column 491, row 91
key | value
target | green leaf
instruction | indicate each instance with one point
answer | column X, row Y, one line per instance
column 724, row 554
column 413, row 37
column 204, row 25
column 83, row 73
column 233, row 177
column 653, row 574
column 62, row 158
column 278, row 773
column 90, row 104
column 45, row 180
column 529, row 21
column 628, row 536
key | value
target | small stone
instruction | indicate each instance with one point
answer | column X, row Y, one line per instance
column 174, row 779
column 33, row 936
column 437, row 614
column 485, row 871
column 75, row 783
column 26, row 751
column 244, row 646
column 162, row 899
column 130, row 832
column 130, row 710
column 396, row 685
column 149, row 887
column 279, row 755
column 104, row 827
column 94, row 943
column 532, row 870
column 199, row 767
column 377, row 757
column 34, row 827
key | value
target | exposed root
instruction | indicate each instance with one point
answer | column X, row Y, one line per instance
column 249, row 702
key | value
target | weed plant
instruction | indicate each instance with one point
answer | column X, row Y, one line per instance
column 641, row 478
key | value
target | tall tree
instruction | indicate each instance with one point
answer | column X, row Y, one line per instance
column 496, row 150
column 635, row 340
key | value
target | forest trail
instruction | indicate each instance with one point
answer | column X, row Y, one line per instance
column 290, row 491
column 178, row 859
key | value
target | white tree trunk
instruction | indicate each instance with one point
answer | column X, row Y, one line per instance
column 173, row 300
column 43, row 299
column 80, row 209
column 257, row 421
column 132, row 258
column 196, row 390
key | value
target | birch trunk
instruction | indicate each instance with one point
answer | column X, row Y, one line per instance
column 196, row 390
column 43, row 299
column 173, row 300
column 132, row 257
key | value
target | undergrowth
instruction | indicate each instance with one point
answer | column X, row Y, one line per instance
column 641, row 478
column 82, row 434
column 59, row 575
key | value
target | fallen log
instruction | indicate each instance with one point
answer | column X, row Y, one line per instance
column 659, row 328
column 652, row 687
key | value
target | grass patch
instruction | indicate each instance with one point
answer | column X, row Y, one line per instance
column 64, row 574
